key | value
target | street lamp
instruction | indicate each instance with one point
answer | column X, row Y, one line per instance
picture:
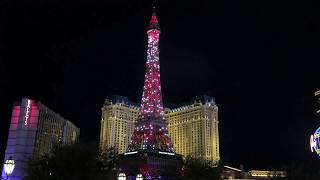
column 122, row 176
column 8, row 167
column 139, row 177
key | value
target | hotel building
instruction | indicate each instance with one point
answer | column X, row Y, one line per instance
column 117, row 123
column 193, row 127
column 34, row 131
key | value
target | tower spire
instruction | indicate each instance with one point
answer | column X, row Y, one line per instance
column 154, row 11
column 151, row 130
column 154, row 24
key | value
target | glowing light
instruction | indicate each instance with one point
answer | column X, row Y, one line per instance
column 122, row 176
column 134, row 152
column 232, row 168
column 255, row 173
column 315, row 142
column 9, row 166
column 26, row 117
column 167, row 153
column 139, row 177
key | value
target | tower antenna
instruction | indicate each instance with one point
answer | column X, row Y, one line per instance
column 154, row 6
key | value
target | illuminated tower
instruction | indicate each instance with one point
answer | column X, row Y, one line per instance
column 151, row 104
column 150, row 150
column 151, row 131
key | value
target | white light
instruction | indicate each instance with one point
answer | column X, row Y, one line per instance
column 9, row 166
column 122, row 176
column 26, row 118
column 232, row 168
column 139, row 177
column 134, row 152
column 167, row 153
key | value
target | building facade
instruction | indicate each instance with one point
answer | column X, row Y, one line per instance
column 117, row 123
column 34, row 131
column 193, row 127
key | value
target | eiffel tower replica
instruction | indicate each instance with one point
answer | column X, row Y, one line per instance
column 150, row 151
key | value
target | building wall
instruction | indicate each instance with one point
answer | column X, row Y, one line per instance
column 193, row 128
column 49, row 132
column 34, row 129
column 71, row 133
column 117, row 123
column 53, row 130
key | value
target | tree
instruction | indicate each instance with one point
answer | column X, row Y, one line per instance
column 109, row 162
column 200, row 169
column 72, row 162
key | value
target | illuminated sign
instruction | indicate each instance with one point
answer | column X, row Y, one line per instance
column 27, row 116
column 315, row 142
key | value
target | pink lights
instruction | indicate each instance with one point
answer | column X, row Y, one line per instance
column 153, row 24
column 15, row 117
column 150, row 131
column 151, row 105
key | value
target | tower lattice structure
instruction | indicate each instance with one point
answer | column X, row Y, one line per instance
column 151, row 131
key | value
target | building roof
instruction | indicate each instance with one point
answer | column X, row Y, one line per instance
column 114, row 99
column 203, row 99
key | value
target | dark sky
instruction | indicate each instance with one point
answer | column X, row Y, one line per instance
column 259, row 59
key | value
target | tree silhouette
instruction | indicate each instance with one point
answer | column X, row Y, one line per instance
column 73, row 162
column 200, row 169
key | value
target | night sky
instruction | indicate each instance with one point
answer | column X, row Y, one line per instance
column 259, row 59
